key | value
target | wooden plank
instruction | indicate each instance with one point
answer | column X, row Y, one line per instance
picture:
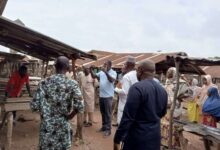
column 9, row 131
column 19, row 99
column 16, row 106
column 16, row 100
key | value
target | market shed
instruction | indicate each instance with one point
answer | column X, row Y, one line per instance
column 179, row 62
column 9, row 63
column 25, row 40
column 33, row 43
column 118, row 59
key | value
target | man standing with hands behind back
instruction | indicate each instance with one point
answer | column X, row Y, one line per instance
column 146, row 104
column 106, row 78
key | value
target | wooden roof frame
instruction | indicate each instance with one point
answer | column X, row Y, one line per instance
column 11, row 56
column 195, row 61
column 30, row 42
column 192, row 62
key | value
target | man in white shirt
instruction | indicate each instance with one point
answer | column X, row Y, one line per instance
column 127, row 81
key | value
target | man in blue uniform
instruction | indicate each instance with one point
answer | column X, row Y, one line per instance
column 146, row 105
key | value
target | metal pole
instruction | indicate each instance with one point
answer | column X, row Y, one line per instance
column 177, row 64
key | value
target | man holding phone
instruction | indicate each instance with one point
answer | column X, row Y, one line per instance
column 106, row 78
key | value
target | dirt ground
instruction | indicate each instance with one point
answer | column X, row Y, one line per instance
column 25, row 135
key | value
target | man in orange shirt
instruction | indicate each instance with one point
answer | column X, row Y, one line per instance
column 16, row 83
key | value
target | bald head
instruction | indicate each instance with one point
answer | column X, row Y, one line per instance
column 62, row 64
column 148, row 66
column 146, row 70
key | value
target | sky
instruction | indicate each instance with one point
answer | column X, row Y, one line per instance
column 191, row 26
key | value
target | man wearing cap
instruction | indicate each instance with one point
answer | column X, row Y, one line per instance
column 146, row 104
column 57, row 99
column 127, row 81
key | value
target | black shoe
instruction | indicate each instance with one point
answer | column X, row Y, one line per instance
column 115, row 125
column 100, row 130
column 89, row 124
column 106, row 134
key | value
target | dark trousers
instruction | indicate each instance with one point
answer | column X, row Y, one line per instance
column 14, row 114
column 106, row 112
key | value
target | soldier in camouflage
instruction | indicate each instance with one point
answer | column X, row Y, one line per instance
column 57, row 99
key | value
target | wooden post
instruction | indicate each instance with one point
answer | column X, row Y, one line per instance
column 177, row 64
column 200, row 80
column 73, row 67
column 45, row 72
column 2, row 6
column 42, row 69
column 9, row 131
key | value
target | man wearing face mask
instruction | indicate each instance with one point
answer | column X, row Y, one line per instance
column 146, row 104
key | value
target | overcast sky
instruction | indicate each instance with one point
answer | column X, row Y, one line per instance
column 192, row 26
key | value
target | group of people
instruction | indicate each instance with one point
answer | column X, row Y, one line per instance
column 143, row 103
column 204, row 104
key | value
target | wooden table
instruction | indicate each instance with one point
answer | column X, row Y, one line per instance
column 7, row 107
column 207, row 134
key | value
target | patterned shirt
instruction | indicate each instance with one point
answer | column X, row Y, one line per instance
column 55, row 98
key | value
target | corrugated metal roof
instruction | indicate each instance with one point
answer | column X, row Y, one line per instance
column 118, row 59
column 214, row 71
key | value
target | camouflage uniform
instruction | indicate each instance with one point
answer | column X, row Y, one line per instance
column 55, row 97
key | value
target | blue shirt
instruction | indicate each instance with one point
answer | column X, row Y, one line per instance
column 106, row 88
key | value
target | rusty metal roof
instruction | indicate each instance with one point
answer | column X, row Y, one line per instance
column 118, row 59
column 214, row 71
column 30, row 42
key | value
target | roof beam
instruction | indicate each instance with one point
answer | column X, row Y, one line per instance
column 32, row 41
column 2, row 6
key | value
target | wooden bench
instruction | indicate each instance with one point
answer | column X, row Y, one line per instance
column 206, row 134
column 7, row 107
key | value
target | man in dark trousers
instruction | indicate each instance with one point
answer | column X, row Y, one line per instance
column 106, row 79
column 146, row 104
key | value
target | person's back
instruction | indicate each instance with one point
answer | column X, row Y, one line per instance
column 56, row 94
column 145, row 132
column 57, row 99
column 146, row 104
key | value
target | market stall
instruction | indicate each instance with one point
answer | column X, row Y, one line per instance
column 30, row 42
column 179, row 62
